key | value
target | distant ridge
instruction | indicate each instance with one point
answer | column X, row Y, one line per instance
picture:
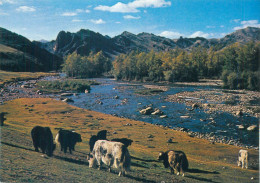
column 17, row 53
column 85, row 41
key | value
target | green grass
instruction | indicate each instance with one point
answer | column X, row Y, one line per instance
column 148, row 91
column 78, row 85
column 20, row 163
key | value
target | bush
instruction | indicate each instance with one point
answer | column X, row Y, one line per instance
column 67, row 85
column 247, row 80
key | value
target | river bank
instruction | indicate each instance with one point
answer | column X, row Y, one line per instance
column 216, row 122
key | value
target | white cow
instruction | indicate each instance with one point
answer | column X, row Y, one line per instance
column 243, row 158
column 111, row 154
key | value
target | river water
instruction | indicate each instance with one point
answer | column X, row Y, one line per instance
column 119, row 99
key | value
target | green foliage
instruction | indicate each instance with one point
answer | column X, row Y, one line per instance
column 67, row 85
column 86, row 66
column 170, row 66
column 241, row 66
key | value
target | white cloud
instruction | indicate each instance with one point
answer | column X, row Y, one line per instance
column 235, row 20
column 87, row 11
column 131, row 17
column 249, row 23
column 118, row 22
column 69, row 14
column 170, row 34
column 3, row 13
column 6, row 1
column 199, row 34
column 222, row 26
column 210, row 26
column 26, row 9
column 132, row 7
column 79, row 10
column 77, row 20
column 99, row 21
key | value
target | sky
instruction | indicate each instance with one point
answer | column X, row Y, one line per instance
column 44, row 19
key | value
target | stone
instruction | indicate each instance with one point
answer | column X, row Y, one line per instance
column 66, row 94
column 240, row 127
column 169, row 140
column 86, row 91
column 146, row 111
column 239, row 113
column 67, row 100
column 163, row 116
column 157, row 112
column 184, row 117
column 252, row 128
column 195, row 106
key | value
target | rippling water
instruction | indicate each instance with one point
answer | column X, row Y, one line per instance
column 128, row 104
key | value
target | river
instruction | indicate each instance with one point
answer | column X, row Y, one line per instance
column 120, row 99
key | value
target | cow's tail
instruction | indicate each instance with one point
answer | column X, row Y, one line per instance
column 57, row 138
column 125, row 161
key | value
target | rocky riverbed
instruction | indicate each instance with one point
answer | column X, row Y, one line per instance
column 238, row 102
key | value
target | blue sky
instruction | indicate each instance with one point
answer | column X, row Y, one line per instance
column 43, row 19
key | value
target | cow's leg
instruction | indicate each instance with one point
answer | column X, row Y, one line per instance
column 172, row 170
column 70, row 149
column 65, row 149
column 246, row 162
column 243, row 163
column 181, row 171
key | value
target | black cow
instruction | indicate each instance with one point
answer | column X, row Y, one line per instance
column 127, row 142
column 42, row 138
column 101, row 135
column 67, row 139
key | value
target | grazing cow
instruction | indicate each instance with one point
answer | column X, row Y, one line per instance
column 111, row 154
column 127, row 142
column 67, row 139
column 176, row 160
column 42, row 138
column 101, row 135
column 243, row 158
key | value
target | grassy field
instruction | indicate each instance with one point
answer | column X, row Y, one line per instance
column 20, row 163
column 6, row 77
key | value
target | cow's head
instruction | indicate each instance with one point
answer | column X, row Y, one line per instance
column 49, row 151
column 91, row 160
column 77, row 137
column 162, row 156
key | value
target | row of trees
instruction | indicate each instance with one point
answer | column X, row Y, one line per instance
column 237, row 65
column 89, row 66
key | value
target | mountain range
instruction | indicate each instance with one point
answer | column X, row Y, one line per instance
column 47, row 55
column 85, row 41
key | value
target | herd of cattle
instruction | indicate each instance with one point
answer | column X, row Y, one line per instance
column 113, row 153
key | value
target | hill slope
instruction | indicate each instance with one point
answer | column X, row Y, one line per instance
column 17, row 53
column 20, row 163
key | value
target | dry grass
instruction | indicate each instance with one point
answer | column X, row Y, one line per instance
column 19, row 163
column 6, row 77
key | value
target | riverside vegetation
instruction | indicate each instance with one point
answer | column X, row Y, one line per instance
column 237, row 65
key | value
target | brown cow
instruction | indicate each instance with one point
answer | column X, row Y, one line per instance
column 176, row 160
